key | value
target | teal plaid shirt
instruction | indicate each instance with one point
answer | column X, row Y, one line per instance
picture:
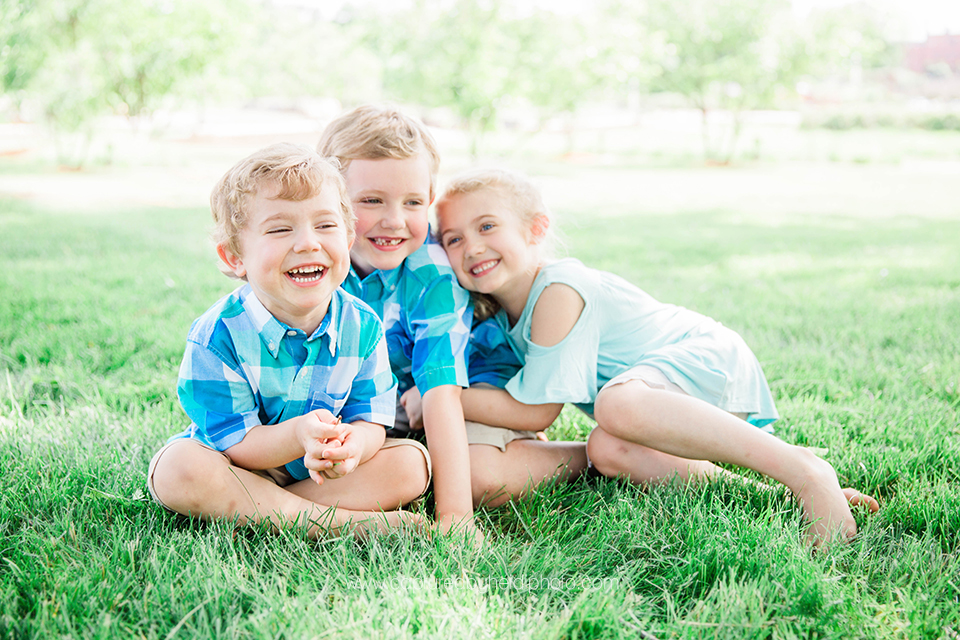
column 426, row 318
column 243, row 368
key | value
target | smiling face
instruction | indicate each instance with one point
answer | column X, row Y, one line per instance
column 491, row 249
column 390, row 198
column 294, row 254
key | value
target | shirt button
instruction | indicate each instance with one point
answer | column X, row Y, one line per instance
column 291, row 332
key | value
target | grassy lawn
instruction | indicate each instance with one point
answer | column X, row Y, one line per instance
column 854, row 317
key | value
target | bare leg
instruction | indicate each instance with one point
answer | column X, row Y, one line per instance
column 198, row 482
column 686, row 427
column 387, row 481
column 498, row 476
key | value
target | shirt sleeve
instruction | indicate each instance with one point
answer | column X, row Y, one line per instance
column 217, row 396
column 441, row 322
column 373, row 395
column 565, row 372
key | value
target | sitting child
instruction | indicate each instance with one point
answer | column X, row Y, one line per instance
column 669, row 388
column 287, row 379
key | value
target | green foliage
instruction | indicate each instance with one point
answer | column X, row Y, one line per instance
column 80, row 59
column 732, row 55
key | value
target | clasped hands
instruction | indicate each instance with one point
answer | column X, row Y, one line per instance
column 330, row 450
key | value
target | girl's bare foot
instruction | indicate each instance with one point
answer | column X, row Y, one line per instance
column 826, row 506
column 855, row 499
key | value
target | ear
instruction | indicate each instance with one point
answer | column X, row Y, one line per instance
column 233, row 261
column 539, row 227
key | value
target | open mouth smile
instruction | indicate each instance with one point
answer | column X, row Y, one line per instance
column 483, row 268
column 387, row 243
column 306, row 275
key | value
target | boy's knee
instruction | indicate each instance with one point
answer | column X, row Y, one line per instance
column 410, row 472
column 181, row 469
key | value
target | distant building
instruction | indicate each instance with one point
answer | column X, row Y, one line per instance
column 919, row 56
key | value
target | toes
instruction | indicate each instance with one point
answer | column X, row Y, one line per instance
column 855, row 498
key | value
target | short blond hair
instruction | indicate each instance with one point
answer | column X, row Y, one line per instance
column 370, row 132
column 300, row 173
column 519, row 195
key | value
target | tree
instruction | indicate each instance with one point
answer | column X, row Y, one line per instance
column 79, row 59
column 721, row 54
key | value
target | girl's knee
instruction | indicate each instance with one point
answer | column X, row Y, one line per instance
column 606, row 453
column 616, row 407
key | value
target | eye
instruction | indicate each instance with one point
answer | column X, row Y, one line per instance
column 327, row 225
column 276, row 230
column 486, row 226
column 370, row 200
column 414, row 203
column 451, row 241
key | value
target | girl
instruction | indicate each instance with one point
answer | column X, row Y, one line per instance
column 668, row 387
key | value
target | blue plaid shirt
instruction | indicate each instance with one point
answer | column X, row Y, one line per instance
column 492, row 359
column 426, row 318
column 243, row 368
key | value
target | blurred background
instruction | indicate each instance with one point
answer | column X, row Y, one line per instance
column 116, row 102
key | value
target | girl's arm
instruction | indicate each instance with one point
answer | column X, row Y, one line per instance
column 498, row 408
column 555, row 313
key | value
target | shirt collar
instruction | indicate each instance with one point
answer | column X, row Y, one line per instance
column 388, row 279
column 272, row 331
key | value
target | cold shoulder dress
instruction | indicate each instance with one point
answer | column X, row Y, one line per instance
column 622, row 327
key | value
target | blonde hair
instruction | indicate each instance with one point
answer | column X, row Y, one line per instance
column 300, row 174
column 370, row 132
column 520, row 196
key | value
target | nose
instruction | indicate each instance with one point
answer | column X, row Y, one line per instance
column 472, row 246
column 307, row 240
column 392, row 218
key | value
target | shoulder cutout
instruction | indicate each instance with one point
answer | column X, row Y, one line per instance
column 556, row 312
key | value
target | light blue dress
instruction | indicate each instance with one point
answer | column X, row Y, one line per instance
column 622, row 327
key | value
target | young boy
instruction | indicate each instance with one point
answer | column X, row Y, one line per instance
column 287, row 379
column 390, row 164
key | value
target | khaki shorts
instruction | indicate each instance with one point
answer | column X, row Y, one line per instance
column 477, row 432
column 279, row 475
column 498, row 437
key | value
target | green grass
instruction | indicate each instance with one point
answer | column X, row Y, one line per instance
column 854, row 319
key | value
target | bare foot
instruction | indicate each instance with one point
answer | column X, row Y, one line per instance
column 825, row 505
column 855, row 498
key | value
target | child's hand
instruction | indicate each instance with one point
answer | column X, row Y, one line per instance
column 343, row 454
column 412, row 403
column 317, row 432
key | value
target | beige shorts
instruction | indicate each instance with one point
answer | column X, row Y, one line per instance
column 279, row 475
column 498, row 437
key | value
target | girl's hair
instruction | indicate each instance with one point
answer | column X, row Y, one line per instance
column 520, row 196
column 299, row 171
column 370, row 132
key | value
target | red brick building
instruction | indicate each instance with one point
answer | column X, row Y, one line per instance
column 919, row 56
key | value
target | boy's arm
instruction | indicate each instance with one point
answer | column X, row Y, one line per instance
column 497, row 408
column 268, row 446
column 447, row 439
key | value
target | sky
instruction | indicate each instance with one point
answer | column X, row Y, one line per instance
column 914, row 19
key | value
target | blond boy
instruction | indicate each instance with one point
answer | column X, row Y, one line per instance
column 287, row 380
column 390, row 164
